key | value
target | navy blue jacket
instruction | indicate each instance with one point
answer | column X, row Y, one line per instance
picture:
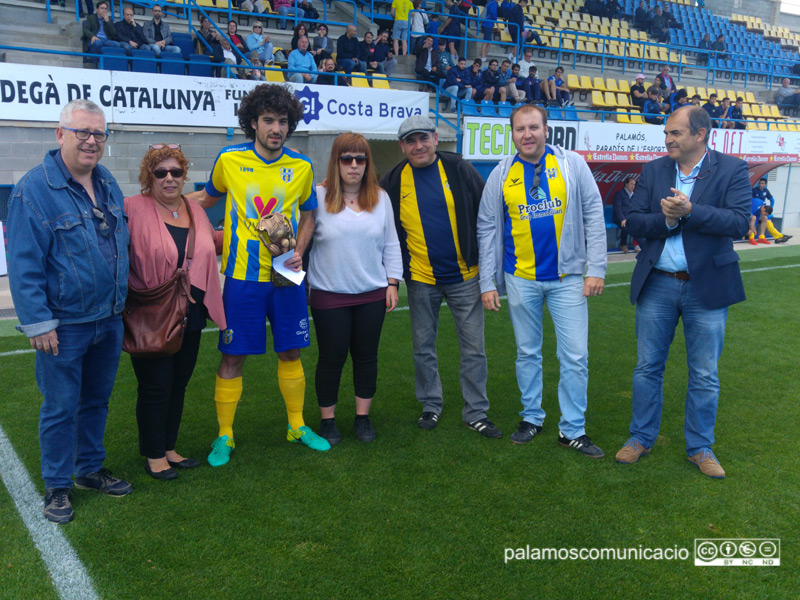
column 126, row 33
column 720, row 214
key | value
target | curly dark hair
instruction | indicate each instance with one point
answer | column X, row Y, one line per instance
column 274, row 98
column 153, row 157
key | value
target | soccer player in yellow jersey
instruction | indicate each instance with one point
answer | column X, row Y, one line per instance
column 260, row 178
column 540, row 229
column 435, row 199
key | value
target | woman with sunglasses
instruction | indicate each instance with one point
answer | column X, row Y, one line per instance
column 354, row 273
column 159, row 224
column 236, row 39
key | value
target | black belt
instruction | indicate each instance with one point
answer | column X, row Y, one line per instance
column 682, row 275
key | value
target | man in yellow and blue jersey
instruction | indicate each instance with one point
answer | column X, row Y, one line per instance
column 435, row 198
column 260, row 178
column 540, row 229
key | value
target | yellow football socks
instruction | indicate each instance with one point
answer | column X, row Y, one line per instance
column 772, row 231
column 226, row 396
column 292, row 382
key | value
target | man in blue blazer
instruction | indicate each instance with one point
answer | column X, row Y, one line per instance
column 686, row 211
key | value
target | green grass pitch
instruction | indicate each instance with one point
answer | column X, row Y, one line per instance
column 420, row 514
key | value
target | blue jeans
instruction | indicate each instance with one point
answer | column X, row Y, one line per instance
column 284, row 11
column 570, row 315
column 76, row 386
column 661, row 302
column 96, row 46
column 157, row 50
column 350, row 64
column 464, row 302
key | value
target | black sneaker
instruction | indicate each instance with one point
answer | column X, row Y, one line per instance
column 364, row 429
column 525, row 432
column 57, row 507
column 103, row 481
column 329, row 431
column 581, row 444
column 428, row 420
column 485, row 427
column 783, row 239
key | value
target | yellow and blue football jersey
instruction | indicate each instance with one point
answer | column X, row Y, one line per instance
column 257, row 187
column 533, row 218
column 428, row 216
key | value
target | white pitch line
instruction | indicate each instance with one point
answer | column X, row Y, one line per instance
column 402, row 308
column 69, row 576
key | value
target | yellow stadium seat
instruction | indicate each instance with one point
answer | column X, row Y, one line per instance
column 611, row 85
column 598, row 83
column 757, row 111
column 274, row 76
column 792, row 127
column 591, row 48
column 380, row 82
column 690, row 91
column 637, row 119
column 359, row 81
column 567, row 44
column 622, row 116
column 781, row 127
column 750, row 98
column 572, row 81
column 611, row 99
column 624, row 100
column 597, row 100
column 746, row 110
column 774, row 111
column 732, row 95
column 580, row 46
column 586, row 83
column 624, row 86
column 702, row 92
column 761, row 126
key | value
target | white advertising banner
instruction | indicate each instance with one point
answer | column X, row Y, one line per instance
column 617, row 137
column 37, row 93
column 487, row 138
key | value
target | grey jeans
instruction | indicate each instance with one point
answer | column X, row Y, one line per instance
column 464, row 302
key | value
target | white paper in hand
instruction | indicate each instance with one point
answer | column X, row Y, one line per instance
column 278, row 263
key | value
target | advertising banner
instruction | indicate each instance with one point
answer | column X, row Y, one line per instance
column 487, row 138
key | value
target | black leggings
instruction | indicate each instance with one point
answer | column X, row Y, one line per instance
column 356, row 329
column 159, row 405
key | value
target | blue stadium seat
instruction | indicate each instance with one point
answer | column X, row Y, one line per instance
column 504, row 109
column 570, row 114
column 145, row 66
column 608, row 216
column 488, row 108
column 469, row 108
column 172, row 64
column 200, row 65
column 556, row 114
column 114, row 59
column 184, row 42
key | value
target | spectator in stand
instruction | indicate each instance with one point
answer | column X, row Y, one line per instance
column 658, row 28
column 260, row 43
column 720, row 48
column 696, row 100
column 302, row 60
column 652, row 108
column 508, row 82
column 663, row 93
column 669, row 19
column 612, row 9
column 725, row 112
column 383, row 53
column 621, row 205
column 763, row 197
column 417, row 22
column 667, row 82
column 251, row 6
column 446, row 61
column 432, row 28
column 459, row 83
column 532, row 86
column 157, row 33
column 679, row 100
column 638, row 93
column 705, row 44
column 366, row 53
column 208, row 34
column 322, row 44
column 527, row 61
column 491, row 81
column 309, row 12
column 99, row 31
column 516, row 20
column 787, row 95
column 399, row 12
column 712, row 109
column 236, row 40
column 224, row 54
column 489, row 16
column 347, row 51
column 451, row 28
column 559, row 90
column 287, row 8
column 129, row 33
column 427, row 63
column 476, row 73
column 255, row 74
column 737, row 114
column 299, row 31
column 641, row 18
column 326, row 76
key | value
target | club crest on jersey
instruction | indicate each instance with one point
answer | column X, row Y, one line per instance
column 550, row 173
column 227, row 336
column 287, row 174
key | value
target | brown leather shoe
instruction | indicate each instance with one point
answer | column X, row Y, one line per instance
column 631, row 452
column 708, row 464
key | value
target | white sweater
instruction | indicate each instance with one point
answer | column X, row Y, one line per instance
column 354, row 252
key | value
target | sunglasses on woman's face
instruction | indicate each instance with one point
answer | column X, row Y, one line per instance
column 170, row 146
column 346, row 159
column 162, row 173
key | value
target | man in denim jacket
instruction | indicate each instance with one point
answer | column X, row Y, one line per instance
column 68, row 273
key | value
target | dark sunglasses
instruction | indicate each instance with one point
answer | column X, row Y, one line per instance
column 537, row 172
column 170, row 146
column 346, row 159
column 104, row 228
column 162, row 173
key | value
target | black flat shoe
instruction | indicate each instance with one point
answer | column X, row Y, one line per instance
column 163, row 475
column 186, row 463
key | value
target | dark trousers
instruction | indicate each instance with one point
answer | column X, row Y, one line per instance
column 623, row 237
column 356, row 329
column 159, row 405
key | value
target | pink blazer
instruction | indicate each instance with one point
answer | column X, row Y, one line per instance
column 154, row 257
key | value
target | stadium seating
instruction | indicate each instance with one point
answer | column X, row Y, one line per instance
column 114, row 59
column 199, row 65
column 172, row 64
column 145, row 66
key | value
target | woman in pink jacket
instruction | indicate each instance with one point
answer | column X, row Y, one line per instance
column 159, row 227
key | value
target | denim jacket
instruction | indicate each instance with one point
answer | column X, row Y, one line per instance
column 56, row 271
